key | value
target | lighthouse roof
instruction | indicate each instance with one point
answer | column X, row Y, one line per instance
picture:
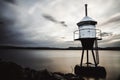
column 87, row 18
column 87, row 21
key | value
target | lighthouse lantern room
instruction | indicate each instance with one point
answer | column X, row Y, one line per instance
column 87, row 28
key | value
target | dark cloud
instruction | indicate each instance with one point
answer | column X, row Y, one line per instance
column 4, row 29
column 112, row 19
column 5, row 23
column 9, row 1
column 115, row 44
column 48, row 17
column 23, row 34
column 63, row 23
column 8, row 32
column 51, row 18
column 115, row 37
column 105, row 34
column 111, row 41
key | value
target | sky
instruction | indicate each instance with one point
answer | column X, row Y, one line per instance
column 51, row 23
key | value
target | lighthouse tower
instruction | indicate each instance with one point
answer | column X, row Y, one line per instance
column 88, row 35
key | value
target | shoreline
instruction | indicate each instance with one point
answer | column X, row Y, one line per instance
column 13, row 71
column 49, row 48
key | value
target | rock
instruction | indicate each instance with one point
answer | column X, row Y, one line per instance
column 58, row 77
column 70, row 76
column 45, row 75
column 13, row 71
column 10, row 71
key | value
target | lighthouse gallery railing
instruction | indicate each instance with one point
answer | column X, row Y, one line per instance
column 77, row 35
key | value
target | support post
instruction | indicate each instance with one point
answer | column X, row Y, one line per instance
column 87, row 59
column 96, row 50
column 94, row 58
column 82, row 58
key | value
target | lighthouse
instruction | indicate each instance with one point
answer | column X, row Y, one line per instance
column 88, row 35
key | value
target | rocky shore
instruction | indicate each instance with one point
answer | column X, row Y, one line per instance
column 13, row 71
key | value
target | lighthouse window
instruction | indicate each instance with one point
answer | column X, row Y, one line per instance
column 89, row 31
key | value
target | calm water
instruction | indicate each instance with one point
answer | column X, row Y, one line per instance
column 61, row 60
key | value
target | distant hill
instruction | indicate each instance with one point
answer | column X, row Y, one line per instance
column 54, row 48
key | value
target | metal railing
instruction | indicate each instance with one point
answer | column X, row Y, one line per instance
column 77, row 33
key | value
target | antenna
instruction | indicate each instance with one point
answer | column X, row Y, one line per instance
column 85, row 9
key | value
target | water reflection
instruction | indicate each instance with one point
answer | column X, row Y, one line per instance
column 62, row 60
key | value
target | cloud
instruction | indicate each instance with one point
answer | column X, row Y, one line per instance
column 63, row 23
column 9, row 1
column 106, row 34
column 51, row 18
column 111, row 41
column 113, row 19
column 38, row 22
column 9, row 31
column 5, row 21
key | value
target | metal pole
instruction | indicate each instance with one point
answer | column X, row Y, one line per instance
column 94, row 58
column 87, row 59
column 97, row 54
column 82, row 58
column 85, row 9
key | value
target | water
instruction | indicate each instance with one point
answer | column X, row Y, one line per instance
column 61, row 60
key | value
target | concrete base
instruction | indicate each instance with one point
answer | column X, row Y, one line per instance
column 84, row 71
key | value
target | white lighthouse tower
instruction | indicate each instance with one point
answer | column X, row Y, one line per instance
column 87, row 26
column 88, row 36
